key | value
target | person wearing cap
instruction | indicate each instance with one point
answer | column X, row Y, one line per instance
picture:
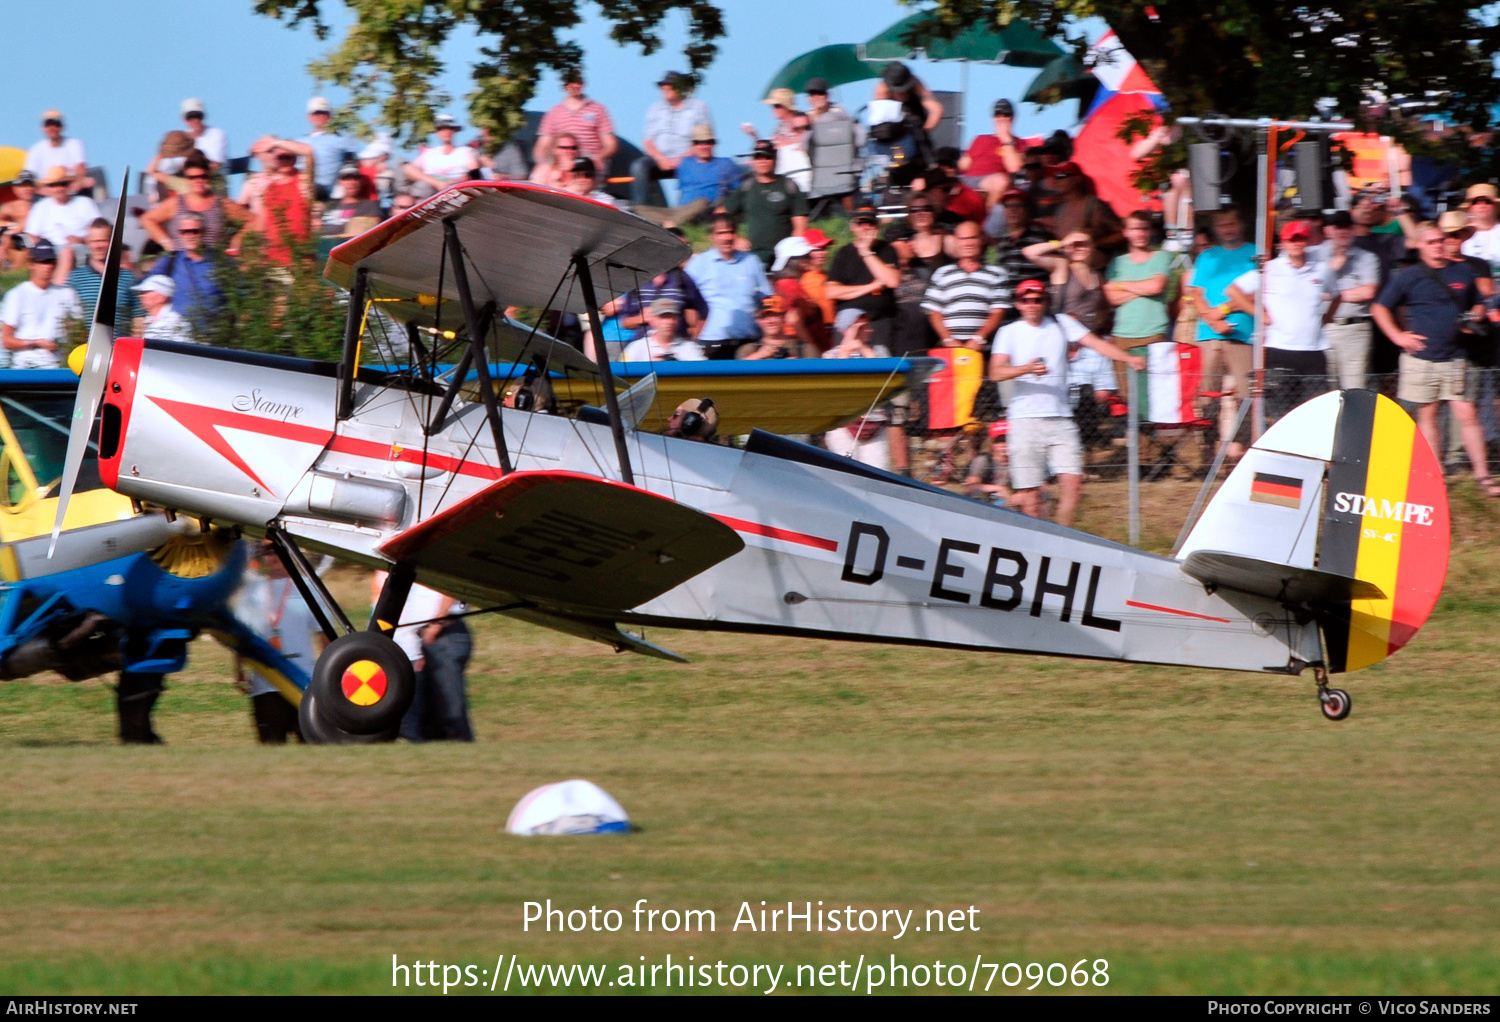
column 921, row 112
column 211, row 142
column 438, row 166
column 668, row 138
column 663, row 341
column 162, row 322
column 864, row 274
column 993, row 160
column 330, row 149
column 988, row 474
column 771, row 204
column 34, row 314
column 581, row 117
column 1437, row 300
column 1297, row 291
column 783, row 333
column 953, row 202
column 819, row 107
column 1072, row 205
column 374, row 163
column 1011, row 228
column 356, row 209
column 732, row 283
column 1480, row 204
column 62, row 218
column 166, row 166
column 703, row 177
column 582, row 179
column 88, row 277
column 13, row 216
column 814, row 274
column 58, row 150
column 630, row 308
column 963, row 302
column 789, row 138
column 1034, row 351
column 1356, row 277
column 1457, row 230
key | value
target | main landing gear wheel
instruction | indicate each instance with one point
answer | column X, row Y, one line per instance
column 362, row 683
column 317, row 731
column 1336, row 703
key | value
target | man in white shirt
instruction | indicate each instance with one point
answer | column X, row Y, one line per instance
column 1043, row 438
column 62, row 218
column 1481, row 202
column 211, row 142
column 663, row 341
column 438, row 166
column 162, row 322
column 1356, row 277
column 56, row 150
column 1296, row 290
column 34, row 315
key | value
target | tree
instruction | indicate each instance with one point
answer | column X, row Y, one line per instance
column 1253, row 58
column 391, row 55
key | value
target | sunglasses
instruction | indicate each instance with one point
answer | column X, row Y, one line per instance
column 914, row 210
column 196, row 177
column 52, row 124
column 189, row 230
column 568, row 148
column 1481, row 199
column 1029, row 301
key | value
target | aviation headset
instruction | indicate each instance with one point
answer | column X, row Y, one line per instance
column 695, row 423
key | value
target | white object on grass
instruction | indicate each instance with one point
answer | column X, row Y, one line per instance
column 567, row 807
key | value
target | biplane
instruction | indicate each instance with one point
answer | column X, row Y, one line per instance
column 1326, row 547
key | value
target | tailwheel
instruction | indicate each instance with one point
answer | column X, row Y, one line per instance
column 316, row 730
column 1336, row 703
column 362, row 684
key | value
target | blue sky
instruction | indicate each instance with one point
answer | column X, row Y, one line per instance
column 119, row 70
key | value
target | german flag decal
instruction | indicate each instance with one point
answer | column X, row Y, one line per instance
column 1385, row 521
column 1283, row 491
column 364, row 683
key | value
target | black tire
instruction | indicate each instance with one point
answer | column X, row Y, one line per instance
column 317, row 731
column 1336, row 705
column 348, row 699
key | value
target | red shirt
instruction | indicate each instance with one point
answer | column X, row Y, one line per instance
column 287, row 218
column 984, row 154
column 966, row 204
column 589, row 124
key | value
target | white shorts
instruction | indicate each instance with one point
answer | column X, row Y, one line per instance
column 1040, row 448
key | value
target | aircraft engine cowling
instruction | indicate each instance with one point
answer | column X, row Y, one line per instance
column 214, row 434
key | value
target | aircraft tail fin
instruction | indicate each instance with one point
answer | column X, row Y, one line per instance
column 1339, row 508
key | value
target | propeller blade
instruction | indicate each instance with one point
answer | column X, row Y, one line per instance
column 101, row 346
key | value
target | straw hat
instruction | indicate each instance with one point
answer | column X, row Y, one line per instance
column 1455, row 222
column 1484, row 189
column 175, row 144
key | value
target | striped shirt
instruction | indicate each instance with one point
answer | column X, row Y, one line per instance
column 588, row 124
column 85, row 280
column 965, row 300
column 1017, row 267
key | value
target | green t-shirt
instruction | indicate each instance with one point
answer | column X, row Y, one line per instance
column 767, row 210
column 1141, row 317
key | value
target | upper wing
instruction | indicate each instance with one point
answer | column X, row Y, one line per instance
column 565, row 540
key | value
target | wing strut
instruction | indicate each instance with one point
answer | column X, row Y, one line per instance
column 348, row 365
column 606, row 372
column 476, row 342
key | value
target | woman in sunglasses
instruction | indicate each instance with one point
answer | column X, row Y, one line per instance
column 551, row 172
column 219, row 216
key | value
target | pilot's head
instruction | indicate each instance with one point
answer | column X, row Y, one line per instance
column 695, row 419
column 532, row 393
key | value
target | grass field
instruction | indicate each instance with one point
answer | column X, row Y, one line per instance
column 1203, row 832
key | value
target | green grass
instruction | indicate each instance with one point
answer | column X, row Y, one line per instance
column 1203, row 832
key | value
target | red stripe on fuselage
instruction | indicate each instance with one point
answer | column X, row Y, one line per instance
column 412, row 456
column 1179, row 613
column 771, row 532
column 204, row 422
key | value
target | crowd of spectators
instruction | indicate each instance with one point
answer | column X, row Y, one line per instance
column 960, row 252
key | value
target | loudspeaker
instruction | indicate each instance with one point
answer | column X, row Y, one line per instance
column 1307, row 162
column 1204, row 170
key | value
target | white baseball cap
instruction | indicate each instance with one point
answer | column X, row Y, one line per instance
column 318, row 105
column 192, row 106
column 787, row 249
column 158, row 282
